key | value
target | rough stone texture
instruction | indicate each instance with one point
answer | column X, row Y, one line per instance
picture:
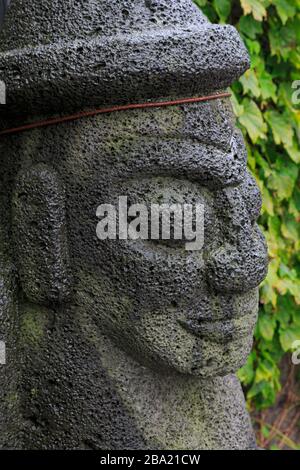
column 39, row 220
column 122, row 344
column 79, row 53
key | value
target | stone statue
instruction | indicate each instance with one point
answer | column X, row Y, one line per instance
column 123, row 344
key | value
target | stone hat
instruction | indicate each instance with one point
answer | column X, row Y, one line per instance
column 59, row 55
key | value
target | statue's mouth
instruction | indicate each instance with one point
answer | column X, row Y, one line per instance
column 221, row 331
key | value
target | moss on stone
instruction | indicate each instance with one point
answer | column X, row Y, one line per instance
column 33, row 324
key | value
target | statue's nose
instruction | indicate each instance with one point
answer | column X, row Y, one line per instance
column 241, row 261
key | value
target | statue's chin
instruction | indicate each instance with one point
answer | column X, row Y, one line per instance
column 207, row 360
column 214, row 349
column 230, row 359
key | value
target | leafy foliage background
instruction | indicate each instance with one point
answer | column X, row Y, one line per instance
column 262, row 101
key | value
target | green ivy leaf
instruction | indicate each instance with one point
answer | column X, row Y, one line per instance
column 294, row 151
column 283, row 40
column 290, row 228
column 266, row 326
column 265, row 370
column 200, row 3
column 283, row 181
column 238, row 109
column 256, row 389
column 223, row 8
column 267, row 87
column 247, row 373
column 288, row 337
column 281, row 127
column 256, row 7
column 210, row 12
column 285, row 306
column 295, row 203
column 252, row 120
column 285, row 92
column 250, row 83
column 268, row 204
column 250, row 27
column 286, row 286
column 269, row 394
column 285, row 9
column 268, row 294
column 254, row 49
column 265, row 431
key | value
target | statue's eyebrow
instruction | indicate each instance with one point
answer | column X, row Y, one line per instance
column 184, row 158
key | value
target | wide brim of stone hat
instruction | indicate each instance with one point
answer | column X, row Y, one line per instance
column 179, row 58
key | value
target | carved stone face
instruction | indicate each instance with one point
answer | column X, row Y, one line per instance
column 76, row 309
column 192, row 312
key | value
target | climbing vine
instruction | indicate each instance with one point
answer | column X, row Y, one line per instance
column 263, row 103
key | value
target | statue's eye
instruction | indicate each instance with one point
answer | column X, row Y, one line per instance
column 167, row 211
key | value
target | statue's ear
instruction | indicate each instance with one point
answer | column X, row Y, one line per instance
column 40, row 235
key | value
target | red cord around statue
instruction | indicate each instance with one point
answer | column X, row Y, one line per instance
column 95, row 112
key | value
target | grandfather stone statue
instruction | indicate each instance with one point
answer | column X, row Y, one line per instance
column 123, row 344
